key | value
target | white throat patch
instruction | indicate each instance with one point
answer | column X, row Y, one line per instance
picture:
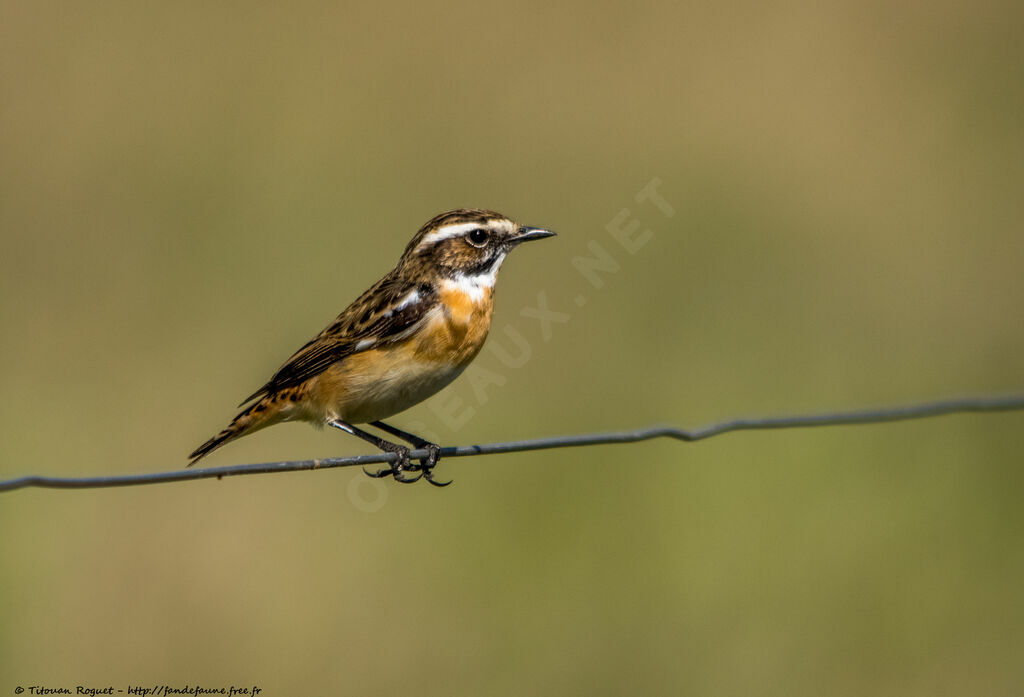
column 475, row 286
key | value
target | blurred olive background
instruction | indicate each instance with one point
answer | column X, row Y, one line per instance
column 189, row 191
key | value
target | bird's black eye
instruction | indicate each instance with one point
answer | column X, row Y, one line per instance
column 479, row 237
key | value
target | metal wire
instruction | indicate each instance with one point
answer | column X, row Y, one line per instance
column 866, row 416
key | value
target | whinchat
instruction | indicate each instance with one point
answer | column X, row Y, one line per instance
column 408, row 336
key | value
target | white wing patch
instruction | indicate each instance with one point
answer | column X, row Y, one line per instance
column 412, row 297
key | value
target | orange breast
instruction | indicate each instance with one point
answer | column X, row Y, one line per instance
column 457, row 330
column 376, row 384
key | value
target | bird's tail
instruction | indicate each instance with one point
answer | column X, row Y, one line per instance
column 259, row 415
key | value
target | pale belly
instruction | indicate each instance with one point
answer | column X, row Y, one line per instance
column 382, row 393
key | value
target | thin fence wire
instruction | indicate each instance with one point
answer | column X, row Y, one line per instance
column 865, row 416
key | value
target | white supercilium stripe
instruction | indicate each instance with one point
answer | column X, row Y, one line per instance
column 446, row 232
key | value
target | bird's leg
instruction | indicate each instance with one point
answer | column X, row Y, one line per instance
column 397, row 467
column 426, row 463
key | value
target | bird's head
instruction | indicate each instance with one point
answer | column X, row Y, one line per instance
column 466, row 244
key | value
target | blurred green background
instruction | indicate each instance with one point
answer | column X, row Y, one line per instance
column 189, row 191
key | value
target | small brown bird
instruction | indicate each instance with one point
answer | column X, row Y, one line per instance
column 408, row 336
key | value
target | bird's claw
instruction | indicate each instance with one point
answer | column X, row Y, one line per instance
column 400, row 465
column 427, row 464
column 405, row 480
column 396, row 473
column 403, row 464
column 430, row 479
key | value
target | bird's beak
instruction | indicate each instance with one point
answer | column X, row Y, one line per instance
column 526, row 233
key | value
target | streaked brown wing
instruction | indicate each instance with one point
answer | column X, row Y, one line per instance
column 381, row 314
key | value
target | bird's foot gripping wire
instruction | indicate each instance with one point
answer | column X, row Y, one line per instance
column 402, row 461
column 427, row 463
column 403, row 464
column 398, row 468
